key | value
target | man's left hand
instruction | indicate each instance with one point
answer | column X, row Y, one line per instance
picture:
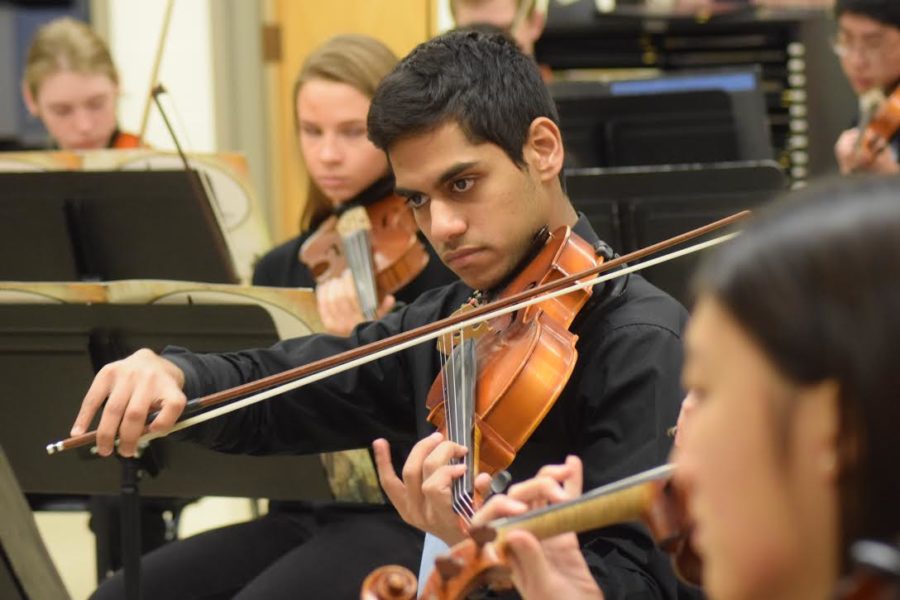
column 422, row 496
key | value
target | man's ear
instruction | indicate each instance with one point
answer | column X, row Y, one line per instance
column 30, row 101
column 534, row 25
column 544, row 148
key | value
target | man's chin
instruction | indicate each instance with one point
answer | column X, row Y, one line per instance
column 481, row 281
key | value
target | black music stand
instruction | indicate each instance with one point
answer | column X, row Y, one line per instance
column 698, row 116
column 639, row 206
column 100, row 226
column 48, row 357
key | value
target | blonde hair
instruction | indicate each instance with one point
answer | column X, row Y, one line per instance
column 357, row 60
column 66, row 45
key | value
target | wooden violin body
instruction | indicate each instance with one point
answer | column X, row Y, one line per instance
column 883, row 126
column 383, row 235
column 481, row 561
column 127, row 141
column 523, row 361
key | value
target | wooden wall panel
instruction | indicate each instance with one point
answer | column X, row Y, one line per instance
column 305, row 24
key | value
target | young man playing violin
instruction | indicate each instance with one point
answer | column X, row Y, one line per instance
column 868, row 45
column 471, row 133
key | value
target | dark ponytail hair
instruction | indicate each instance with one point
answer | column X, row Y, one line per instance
column 816, row 283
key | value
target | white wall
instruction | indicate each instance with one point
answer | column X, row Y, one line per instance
column 186, row 69
column 444, row 16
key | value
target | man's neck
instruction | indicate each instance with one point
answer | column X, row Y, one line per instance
column 563, row 214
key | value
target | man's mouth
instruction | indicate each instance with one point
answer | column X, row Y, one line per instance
column 461, row 258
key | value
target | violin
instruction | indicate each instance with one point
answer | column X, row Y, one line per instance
column 876, row 575
column 649, row 497
column 501, row 379
column 880, row 129
column 378, row 243
column 126, row 141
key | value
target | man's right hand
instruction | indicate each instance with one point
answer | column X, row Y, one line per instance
column 132, row 388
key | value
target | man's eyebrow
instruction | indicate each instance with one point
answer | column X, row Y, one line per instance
column 455, row 170
column 444, row 177
column 404, row 192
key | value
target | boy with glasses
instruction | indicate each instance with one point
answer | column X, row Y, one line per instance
column 868, row 45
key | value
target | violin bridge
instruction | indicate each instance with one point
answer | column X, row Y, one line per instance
column 446, row 343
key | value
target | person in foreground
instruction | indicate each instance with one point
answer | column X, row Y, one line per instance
column 790, row 451
column 472, row 136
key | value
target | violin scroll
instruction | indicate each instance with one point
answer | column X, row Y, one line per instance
column 390, row 582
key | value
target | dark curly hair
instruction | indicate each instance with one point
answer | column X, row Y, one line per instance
column 479, row 80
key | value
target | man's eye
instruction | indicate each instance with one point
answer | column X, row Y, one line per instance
column 417, row 200
column 462, row 185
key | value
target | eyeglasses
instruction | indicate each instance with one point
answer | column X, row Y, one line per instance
column 869, row 49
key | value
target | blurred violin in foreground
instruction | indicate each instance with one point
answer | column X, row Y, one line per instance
column 481, row 561
column 876, row 575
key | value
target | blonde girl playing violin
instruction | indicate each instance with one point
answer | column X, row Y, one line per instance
column 332, row 95
column 72, row 86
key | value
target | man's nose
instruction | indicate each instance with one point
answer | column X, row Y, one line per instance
column 446, row 220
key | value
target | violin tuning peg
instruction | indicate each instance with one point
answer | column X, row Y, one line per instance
column 603, row 249
column 500, row 481
column 448, row 566
column 482, row 534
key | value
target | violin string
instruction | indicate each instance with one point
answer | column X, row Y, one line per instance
column 456, row 416
column 450, row 405
column 367, row 260
column 399, row 347
column 359, row 258
column 470, row 378
column 456, row 423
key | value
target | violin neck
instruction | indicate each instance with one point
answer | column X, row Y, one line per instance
column 627, row 500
